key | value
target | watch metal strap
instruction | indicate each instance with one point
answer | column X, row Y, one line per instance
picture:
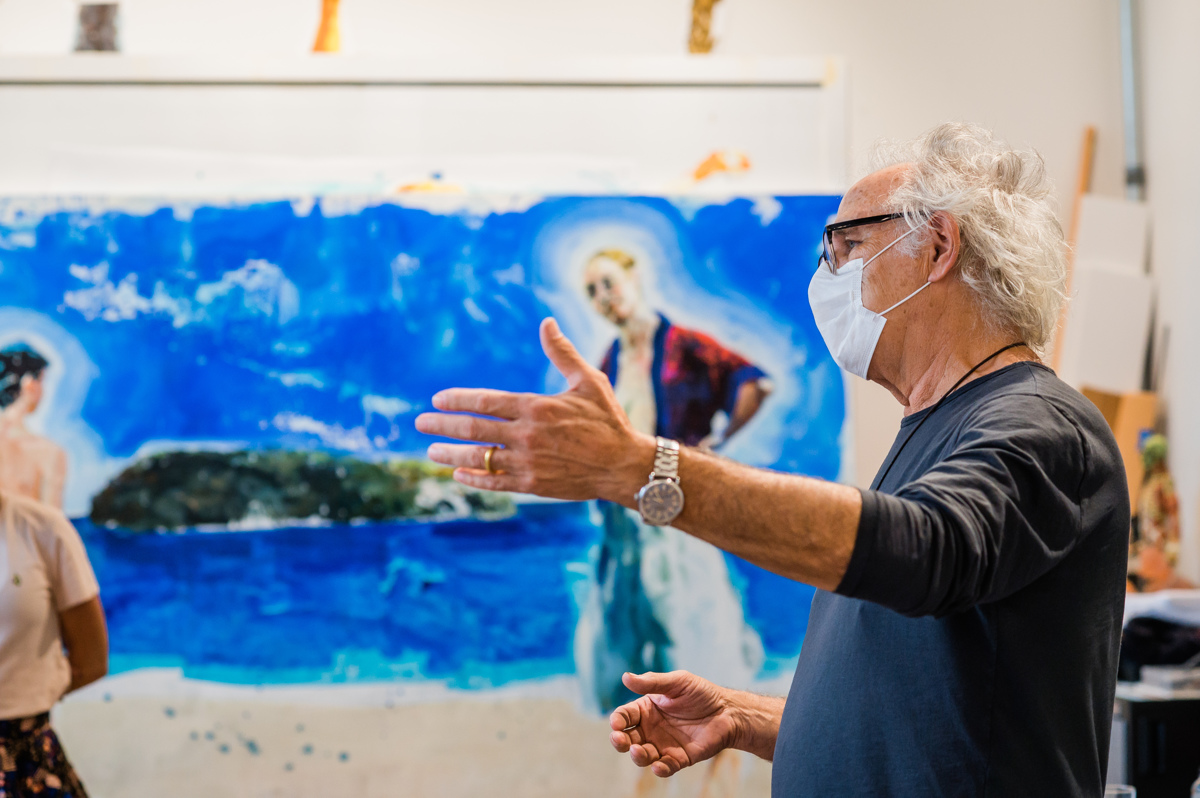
column 666, row 459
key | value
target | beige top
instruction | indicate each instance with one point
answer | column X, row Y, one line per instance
column 44, row 569
column 635, row 384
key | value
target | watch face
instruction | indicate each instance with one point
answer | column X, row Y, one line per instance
column 661, row 502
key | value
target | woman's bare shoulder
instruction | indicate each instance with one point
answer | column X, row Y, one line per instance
column 16, row 508
column 17, row 444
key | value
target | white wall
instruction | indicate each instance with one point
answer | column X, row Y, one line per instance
column 1037, row 71
column 1171, row 77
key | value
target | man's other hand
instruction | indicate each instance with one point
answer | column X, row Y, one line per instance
column 680, row 720
column 576, row 445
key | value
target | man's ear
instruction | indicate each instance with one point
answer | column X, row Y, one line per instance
column 945, row 237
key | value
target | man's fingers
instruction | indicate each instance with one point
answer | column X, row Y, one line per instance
column 465, row 455
column 620, row 741
column 644, row 754
column 625, row 716
column 626, row 739
column 481, row 401
column 465, row 428
column 668, row 684
column 661, row 765
column 482, row 480
column 562, row 353
column 636, row 735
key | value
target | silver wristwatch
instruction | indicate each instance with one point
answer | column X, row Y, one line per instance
column 661, row 500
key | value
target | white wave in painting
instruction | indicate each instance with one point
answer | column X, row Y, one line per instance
column 104, row 300
column 293, row 378
column 258, row 287
column 513, row 275
column 95, row 275
column 388, row 407
column 18, row 239
column 474, row 311
column 767, row 209
column 403, row 265
column 335, row 436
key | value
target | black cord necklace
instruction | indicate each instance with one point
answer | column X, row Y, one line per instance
column 946, row 395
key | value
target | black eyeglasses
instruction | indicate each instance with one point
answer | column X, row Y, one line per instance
column 828, row 257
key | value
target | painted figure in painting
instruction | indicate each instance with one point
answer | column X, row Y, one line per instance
column 664, row 599
column 1154, row 552
column 30, row 465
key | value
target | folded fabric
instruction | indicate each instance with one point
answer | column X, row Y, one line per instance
column 1177, row 606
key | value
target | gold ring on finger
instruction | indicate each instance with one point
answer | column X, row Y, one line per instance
column 487, row 460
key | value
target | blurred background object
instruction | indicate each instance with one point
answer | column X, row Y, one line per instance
column 98, row 28
column 329, row 35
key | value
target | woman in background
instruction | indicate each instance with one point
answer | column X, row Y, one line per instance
column 49, row 601
column 52, row 633
column 30, row 465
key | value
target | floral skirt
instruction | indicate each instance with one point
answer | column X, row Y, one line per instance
column 32, row 762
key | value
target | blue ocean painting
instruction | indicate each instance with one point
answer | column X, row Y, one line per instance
column 324, row 326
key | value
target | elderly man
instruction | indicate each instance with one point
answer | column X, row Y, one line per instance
column 964, row 640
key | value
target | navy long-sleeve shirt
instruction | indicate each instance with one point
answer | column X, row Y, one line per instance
column 971, row 648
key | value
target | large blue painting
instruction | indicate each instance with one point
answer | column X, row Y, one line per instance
column 234, row 386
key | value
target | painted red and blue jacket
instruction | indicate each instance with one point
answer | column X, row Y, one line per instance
column 693, row 376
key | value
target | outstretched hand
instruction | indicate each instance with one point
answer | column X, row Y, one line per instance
column 680, row 720
column 575, row 445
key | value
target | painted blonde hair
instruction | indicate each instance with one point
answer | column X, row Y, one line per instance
column 617, row 256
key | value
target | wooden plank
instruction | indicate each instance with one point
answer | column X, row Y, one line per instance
column 336, row 69
column 1087, row 158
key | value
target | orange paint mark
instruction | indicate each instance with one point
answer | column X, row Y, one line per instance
column 728, row 161
column 329, row 35
column 432, row 186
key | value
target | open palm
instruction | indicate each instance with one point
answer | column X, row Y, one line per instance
column 680, row 720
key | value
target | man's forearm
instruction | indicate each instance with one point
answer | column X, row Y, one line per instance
column 800, row 528
column 758, row 718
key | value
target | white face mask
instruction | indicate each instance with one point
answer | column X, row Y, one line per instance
column 850, row 330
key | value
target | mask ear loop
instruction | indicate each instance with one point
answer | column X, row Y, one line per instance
column 885, row 249
column 911, row 230
column 902, row 301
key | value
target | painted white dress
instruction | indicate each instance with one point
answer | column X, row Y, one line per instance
column 660, row 599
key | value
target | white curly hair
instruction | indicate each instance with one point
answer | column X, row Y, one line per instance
column 1013, row 252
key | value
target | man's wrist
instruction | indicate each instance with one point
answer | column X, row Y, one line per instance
column 629, row 474
column 756, row 721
